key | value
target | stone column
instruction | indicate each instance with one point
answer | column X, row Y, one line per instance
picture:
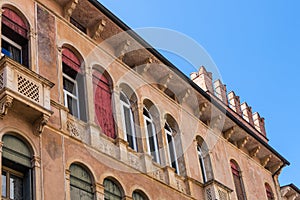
column 121, row 137
column 59, row 74
column 33, row 54
column 137, row 126
column 68, row 189
column 37, row 186
column 117, row 113
column 163, row 145
column 89, row 94
column 99, row 191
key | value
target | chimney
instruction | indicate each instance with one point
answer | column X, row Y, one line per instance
column 259, row 123
column 203, row 79
column 234, row 102
column 220, row 91
column 247, row 113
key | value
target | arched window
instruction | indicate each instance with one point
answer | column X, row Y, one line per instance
column 111, row 190
column 171, row 147
column 81, row 187
column 151, row 135
column 103, row 103
column 73, row 84
column 269, row 192
column 16, row 169
column 139, row 195
column 204, row 159
column 14, row 38
column 127, row 120
column 238, row 182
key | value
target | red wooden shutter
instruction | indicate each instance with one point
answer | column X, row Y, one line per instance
column 237, row 181
column 269, row 192
column 14, row 21
column 70, row 59
column 103, row 106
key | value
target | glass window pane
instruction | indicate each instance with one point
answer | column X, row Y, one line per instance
column 72, row 106
column 15, row 187
column 111, row 190
column 11, row 51
column 4, row 184
column 69, row 86
column 137, row 196
column 128, row 126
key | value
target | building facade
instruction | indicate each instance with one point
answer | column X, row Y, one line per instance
column 90, row 111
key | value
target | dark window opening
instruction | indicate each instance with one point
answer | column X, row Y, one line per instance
column 78, row 25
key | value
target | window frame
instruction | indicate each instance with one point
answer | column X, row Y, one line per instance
column 67, row 93
column 202, row 163
column 127, row 105
column 110, row 193
column 10, row 172
column 171, row 134
column 14, row 44
column 149, row 119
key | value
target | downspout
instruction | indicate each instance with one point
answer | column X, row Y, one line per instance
column 275, row 176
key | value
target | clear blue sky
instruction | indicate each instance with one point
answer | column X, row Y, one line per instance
column 256, row 46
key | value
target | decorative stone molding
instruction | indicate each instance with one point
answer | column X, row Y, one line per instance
column 69, row 8
column 215, row 121
column 242, row 142
column 97, row 29
column 122, row 49
column 36, row 161
column 68, row 173
column 254, row 151
column 143, row 67
column 32, row 33
column 182, row 97
column 134, row 161
column 158, row 174
column 39, row 124
column 163, row 82
column 1, row 145
column 228, row 133
column 265, row 160
column 202, row 108
column 5, row 103
column 73, row 129
column 275, row 167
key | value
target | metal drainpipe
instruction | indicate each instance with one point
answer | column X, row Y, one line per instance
column 276, row 181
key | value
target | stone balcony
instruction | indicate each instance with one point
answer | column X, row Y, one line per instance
column 25, row 93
